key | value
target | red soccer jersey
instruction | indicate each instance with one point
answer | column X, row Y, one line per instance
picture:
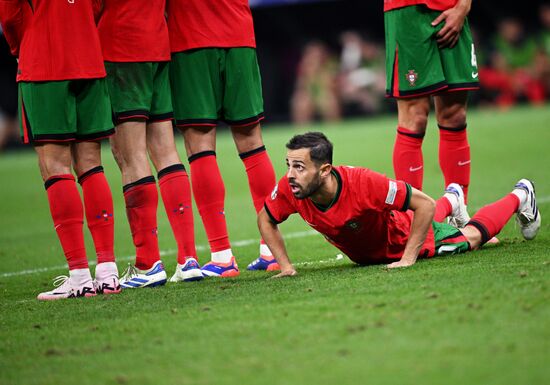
column 210, row 23
column 134, row 31
column 55, row 40
column 367, row 222
column 437, row 5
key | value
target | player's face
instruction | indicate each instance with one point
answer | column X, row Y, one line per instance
column 304, row 176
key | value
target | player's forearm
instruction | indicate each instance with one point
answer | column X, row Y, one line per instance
column 274, row 240
column 423, row 216
column 464, row 5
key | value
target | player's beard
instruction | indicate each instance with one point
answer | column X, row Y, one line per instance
column 309, row 190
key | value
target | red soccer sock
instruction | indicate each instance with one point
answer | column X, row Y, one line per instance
column 68, row 218
column 443, row 209
column 98, row 204
column 141, row 208
column 490, row 219
column 454, row 157
column 209, row 192
column 176, row 195
column 408, row 163
column 261, row 175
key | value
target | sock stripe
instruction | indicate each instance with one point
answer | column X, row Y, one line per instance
column 460, row 128
column 170, row 169
column 411, row 134
column 56, row 178
column 94, row 170
column 244, row 155
column 201, row 155
column 142, row 181
column 485, row 236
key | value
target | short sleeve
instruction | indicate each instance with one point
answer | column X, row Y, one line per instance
column 279, row 204
column 380, row 193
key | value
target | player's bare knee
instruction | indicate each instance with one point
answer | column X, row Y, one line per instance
column 247, row 138
column 452, row 117
column 473, row 235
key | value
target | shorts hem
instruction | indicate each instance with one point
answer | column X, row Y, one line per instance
column 429, row 90
column 181, row 123
column 246, row 122
column 61, row 138
column 131, row 115
column 156, row 118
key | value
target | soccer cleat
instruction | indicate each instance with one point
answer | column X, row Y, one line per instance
column 264, row 263
column 217, row 269
column 189, row 271
column 135, row 278
column 66, row 289
column 528, row 215
column 459, row 216
column 106, row 278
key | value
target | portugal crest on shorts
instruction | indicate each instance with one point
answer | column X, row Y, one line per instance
column 411, row 76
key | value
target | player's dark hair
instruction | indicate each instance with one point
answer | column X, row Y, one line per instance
column 320, row 148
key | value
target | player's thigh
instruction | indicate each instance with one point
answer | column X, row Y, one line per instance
column 130, row 87
column 161, row 103
column 199, row 139
column 93, row 109
column 197, row 87
column 413, row 63
column 247, row 138
column 460, row 63
column 449, row 240
column 53, row 158
column 47, row 112
column 86, row 155
column 243, row 103
column 450, row 108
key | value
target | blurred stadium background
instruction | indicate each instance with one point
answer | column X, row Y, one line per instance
column 324, row 60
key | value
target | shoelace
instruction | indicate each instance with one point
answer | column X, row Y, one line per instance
column 130, row 272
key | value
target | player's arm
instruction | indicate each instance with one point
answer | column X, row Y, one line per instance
column 12, row 18
column 424, row 210
column 454, row 21
column 274, row 240
column 98, row 6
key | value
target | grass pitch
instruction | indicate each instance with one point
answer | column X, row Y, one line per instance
column 479, row 318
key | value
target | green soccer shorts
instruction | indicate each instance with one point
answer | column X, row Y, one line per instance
column 140, row 91
column 64, row 111
column 415, row 65
column 449, row 239
column 216, row 84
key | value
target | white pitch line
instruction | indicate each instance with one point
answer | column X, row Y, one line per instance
column 241, row 243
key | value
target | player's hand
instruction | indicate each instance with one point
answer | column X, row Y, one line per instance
column 454, row 21
column 286, row 273
column 401, row 263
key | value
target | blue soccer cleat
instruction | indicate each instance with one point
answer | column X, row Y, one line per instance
column 218, row 269
column 135, row 278
column 264, row 263
column 189, row 271
column 528, row 215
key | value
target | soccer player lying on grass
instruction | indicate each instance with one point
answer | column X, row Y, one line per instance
column 374, row 219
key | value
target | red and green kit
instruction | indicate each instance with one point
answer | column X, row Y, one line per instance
column 62, row 91
column 415, row 65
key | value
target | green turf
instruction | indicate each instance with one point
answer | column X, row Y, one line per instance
column 480, row 318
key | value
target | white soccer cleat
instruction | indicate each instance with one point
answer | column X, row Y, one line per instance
column 528, row 215
column 65, row 288
column 134, row 278
column 459, row 216
column 106, row 278
column 189, row 271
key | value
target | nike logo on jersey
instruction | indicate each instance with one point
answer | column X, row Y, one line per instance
column 474, row 75
column 461, row 163
column 413, row 169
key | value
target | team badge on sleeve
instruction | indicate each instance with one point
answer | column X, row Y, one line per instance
column 274, row 192
column 392, row 192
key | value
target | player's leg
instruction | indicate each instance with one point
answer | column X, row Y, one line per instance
column 173, row 179
column 243, row 110
column 490, row 219
column 48, row 120
column 130, row 89
column 414, row 72
column 197, row 93
column 94, row 115
column 451, row 205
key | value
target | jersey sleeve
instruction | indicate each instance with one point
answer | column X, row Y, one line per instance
column 279, row 204
column 380, row 193
column 14, row 15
